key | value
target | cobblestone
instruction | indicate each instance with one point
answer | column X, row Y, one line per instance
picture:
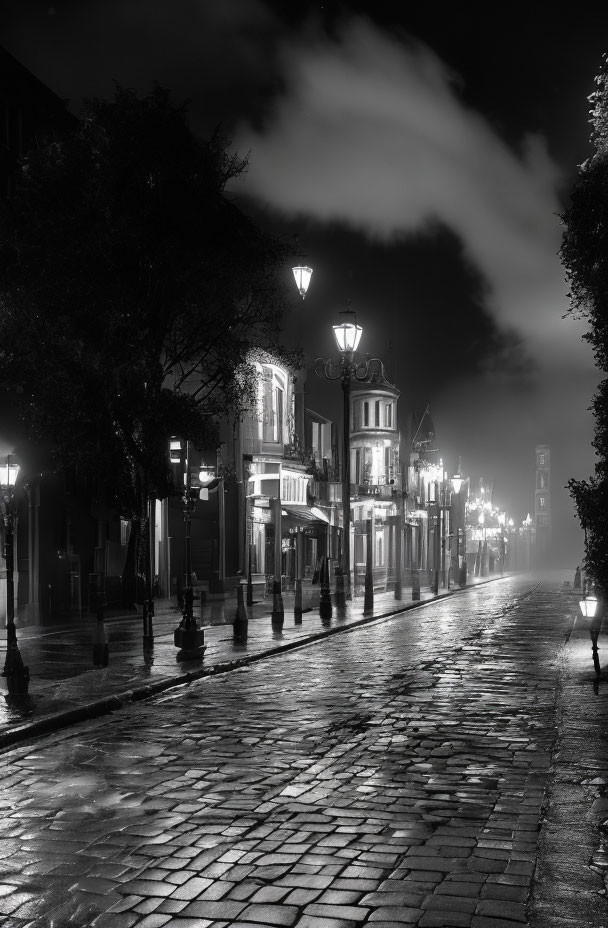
column 390, row 775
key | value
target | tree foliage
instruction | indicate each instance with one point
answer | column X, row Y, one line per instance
column 131, row 290
column 584, row 253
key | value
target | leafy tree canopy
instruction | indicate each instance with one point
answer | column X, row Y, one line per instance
column 131, row 290
column 584, row 254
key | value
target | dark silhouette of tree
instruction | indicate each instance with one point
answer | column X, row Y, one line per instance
column 132, row 291
column 584, row 253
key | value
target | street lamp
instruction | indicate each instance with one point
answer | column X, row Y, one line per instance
column 589, row 610
column 527, row 524
column 348, row 335
column 188, row 637
column 457, row 482
column 302, row 276
column 17, row 676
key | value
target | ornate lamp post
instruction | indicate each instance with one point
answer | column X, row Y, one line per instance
column 188, row 637
column 527, row 524
column 17, row 676
column 589, row 610
column 459, row 522
column 346, row 369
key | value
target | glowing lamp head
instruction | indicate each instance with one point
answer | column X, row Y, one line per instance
column 8, row 473
column 502, row 516
column 588, row 606
column 302, row 277
column 481, row 519
column 348, row 335
column 457, row 482
column 206, row 475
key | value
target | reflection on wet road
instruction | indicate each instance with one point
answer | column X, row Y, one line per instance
column 388, row 775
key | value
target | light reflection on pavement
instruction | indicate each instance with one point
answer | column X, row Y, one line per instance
column 393, row 774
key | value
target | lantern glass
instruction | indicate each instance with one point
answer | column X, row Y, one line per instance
column 348, row 335
column 302, row 277
column 588, row 606
column 8, row 474
column 457, row 482
column 206, row 475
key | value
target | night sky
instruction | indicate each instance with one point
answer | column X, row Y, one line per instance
column 422, row 157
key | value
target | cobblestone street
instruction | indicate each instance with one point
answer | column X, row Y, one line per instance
column 393, row 774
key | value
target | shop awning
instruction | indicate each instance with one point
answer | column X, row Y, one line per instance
column 304, row 514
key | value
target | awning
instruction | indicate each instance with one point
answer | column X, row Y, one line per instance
column 304, row 514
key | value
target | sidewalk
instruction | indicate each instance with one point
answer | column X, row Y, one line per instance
column 65, row 686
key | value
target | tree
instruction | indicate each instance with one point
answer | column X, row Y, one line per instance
column 584, row 253
column 132, row 289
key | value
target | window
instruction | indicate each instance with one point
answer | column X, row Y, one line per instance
column 388, row 416
column 315, row 441
column 366, row 415
column 273, row 403
column 377, row 414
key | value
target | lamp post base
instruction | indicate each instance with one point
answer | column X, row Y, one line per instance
column 188, row 637
column 17, row 676
column 148, row 632
column 278, row 613
column 241, row 620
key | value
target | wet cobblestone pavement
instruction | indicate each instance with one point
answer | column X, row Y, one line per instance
column 394, row 774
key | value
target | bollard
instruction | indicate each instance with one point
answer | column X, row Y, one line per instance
column 148, row 613
column 462, row 575
column 325, row 607
column 278, row 614
column 241, row 620
column 415, row 585
column 368, row 599
column 297, row 603
column 100, row 643
column 340, row 591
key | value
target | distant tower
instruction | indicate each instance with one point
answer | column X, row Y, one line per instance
column 542, row 505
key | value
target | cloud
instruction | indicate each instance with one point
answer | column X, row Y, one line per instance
column 371, row 132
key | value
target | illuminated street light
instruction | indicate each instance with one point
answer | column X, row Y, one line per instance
column 456, row 482
column 348, row 335
column 17, row 676
column 589, row 610
column 302, row 277
column 188, row 637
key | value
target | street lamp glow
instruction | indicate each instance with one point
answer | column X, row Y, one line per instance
column 457, row 482
column 8, row 473
column 302, row 277
column 588, row 606
column 348, row 335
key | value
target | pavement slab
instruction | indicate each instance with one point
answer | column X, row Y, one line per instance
column 398, row 773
